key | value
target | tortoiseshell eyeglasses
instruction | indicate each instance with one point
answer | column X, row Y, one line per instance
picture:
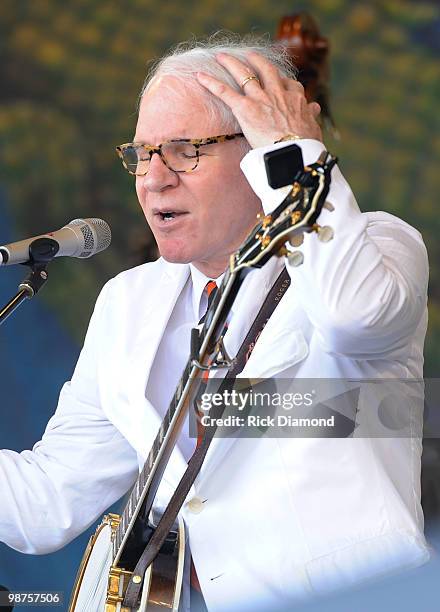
column 179, row 155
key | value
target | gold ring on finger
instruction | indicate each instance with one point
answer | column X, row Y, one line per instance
column 251, row 77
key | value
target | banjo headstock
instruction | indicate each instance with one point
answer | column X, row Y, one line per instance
column 297, row 214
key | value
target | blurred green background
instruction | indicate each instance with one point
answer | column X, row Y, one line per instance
column 70, row 74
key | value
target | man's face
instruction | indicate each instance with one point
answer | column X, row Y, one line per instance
column 214, row 205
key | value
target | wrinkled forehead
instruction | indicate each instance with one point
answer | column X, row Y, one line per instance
column 171, row 108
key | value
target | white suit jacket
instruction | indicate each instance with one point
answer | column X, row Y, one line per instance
column 279, row 519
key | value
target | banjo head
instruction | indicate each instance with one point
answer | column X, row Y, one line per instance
column 90, row 589
column 100, row 587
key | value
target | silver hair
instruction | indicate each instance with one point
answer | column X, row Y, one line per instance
column 187, row 58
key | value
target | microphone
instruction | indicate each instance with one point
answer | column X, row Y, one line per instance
column 79, row 238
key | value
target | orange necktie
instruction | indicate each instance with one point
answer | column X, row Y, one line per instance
column 211, row 290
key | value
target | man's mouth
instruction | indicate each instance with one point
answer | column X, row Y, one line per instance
column 168, row 215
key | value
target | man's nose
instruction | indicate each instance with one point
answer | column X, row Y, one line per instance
column 159, row 176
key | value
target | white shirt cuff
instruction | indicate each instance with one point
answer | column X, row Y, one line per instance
column 254, row 169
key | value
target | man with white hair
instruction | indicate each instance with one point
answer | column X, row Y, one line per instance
column 269, row 521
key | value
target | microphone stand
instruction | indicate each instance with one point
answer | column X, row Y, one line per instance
column 41, row 253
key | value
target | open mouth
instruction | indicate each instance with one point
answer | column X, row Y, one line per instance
column 169, row 215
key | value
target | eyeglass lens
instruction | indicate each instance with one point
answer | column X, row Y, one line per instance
column 178, row 156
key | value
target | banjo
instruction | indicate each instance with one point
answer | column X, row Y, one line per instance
column 109, row 561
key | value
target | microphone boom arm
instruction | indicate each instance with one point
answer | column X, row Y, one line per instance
column 41, row 251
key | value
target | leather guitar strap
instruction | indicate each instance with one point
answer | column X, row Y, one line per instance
column 195, row 463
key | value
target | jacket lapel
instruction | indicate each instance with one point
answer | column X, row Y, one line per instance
column 150, row 328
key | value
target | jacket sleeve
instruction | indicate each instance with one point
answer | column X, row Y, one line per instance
column 79, row 468
column 365, row 290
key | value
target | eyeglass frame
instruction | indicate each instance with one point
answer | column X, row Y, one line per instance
column 196, row 142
